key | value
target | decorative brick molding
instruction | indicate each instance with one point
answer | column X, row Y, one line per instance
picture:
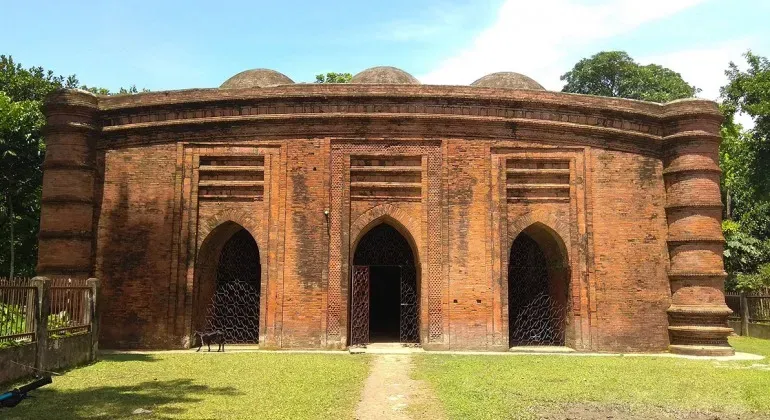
column 134, row 184
column 387, row 213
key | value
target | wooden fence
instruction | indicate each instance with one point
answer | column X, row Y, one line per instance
column 749, row 308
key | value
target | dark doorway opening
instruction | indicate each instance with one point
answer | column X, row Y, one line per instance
column 537, row 290
column 385, row 307
column 234, row 306
column 384, row 300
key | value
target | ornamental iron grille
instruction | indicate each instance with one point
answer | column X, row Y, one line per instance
column 383, row 254
column 359, row 306
column 535, row 316
column 234, row 307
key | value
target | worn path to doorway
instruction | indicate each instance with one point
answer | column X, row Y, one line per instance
column 390, row 393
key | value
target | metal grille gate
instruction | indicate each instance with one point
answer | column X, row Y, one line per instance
column 384, row 246
column 234, row 307
column 359, row 306
column 535, row 317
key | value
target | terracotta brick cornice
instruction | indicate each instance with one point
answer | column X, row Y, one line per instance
column 447, row 111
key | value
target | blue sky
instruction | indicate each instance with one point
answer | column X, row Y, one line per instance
column 163, row 45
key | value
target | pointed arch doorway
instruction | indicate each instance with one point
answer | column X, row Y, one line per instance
column 229, row 284
column 384, row 292
column 538, row 293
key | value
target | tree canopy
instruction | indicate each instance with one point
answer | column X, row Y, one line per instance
column 616, row 74
column 22, row 151
column 332, row 77
column 745, row 161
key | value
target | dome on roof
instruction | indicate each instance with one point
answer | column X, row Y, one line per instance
column 508, row 80
column 385, row 75
column 256, row 78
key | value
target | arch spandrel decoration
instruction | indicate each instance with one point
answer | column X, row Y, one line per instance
column 548, row 221
column 229, row 215
column 387, row 213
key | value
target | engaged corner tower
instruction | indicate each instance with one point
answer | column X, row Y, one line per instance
column 698, row 313
column 67, row 204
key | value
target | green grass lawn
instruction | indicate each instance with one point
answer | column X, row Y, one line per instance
column 324, row 386
column 204, row 386
column 490, row 387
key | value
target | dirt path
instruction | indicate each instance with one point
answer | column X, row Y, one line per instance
column 389, row 392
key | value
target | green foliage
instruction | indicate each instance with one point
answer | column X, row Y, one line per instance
column 747, row 156
column 22, row 151
column 21, row 156
column 332, row 77
column 122, row 91
column 12, row 319
column 616, row 74
column 31, row 84
column 749, row 91
column 60, row 320
column 754, row 281
column 744, row 256
column 744, row 156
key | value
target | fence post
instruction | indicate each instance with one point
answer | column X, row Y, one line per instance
column 43, row 307
column 93, row 306
column 744, row 315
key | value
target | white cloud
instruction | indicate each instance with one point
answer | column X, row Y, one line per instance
column 535, row 37
column 430, row 25
column 705, row 66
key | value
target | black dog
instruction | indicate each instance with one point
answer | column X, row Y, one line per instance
column 216, row 337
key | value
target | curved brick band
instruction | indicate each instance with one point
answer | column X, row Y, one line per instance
column 698, row 314
column 66, row 229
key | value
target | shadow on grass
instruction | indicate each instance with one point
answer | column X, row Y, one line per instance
column 127, row 357
column 163, row 398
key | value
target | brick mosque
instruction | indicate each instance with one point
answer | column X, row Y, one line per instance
column 314, row 216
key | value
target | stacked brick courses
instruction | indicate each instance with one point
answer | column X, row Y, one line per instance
column 632, row 201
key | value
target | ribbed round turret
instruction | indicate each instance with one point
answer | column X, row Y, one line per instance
column 66, row 229
column 698, row 314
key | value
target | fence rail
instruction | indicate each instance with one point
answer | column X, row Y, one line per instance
column 69, row 310
column 47, row 324
column 67, row 305
column 17, row 311
column 749, row 307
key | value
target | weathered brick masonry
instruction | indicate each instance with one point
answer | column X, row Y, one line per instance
column 622, row 197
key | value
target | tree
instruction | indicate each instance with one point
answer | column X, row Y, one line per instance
column 749, row 92
column 22, row 151
column 616, row 74
column 333, row 78
column 21, row 156
column 744, row 156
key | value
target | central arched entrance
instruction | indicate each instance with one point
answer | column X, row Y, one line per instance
column 384, row 294
column 229, row 278
column 537, row 288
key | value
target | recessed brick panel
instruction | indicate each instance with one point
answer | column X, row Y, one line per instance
column 135, row 186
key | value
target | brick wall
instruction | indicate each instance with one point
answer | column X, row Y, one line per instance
column 459, row 178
